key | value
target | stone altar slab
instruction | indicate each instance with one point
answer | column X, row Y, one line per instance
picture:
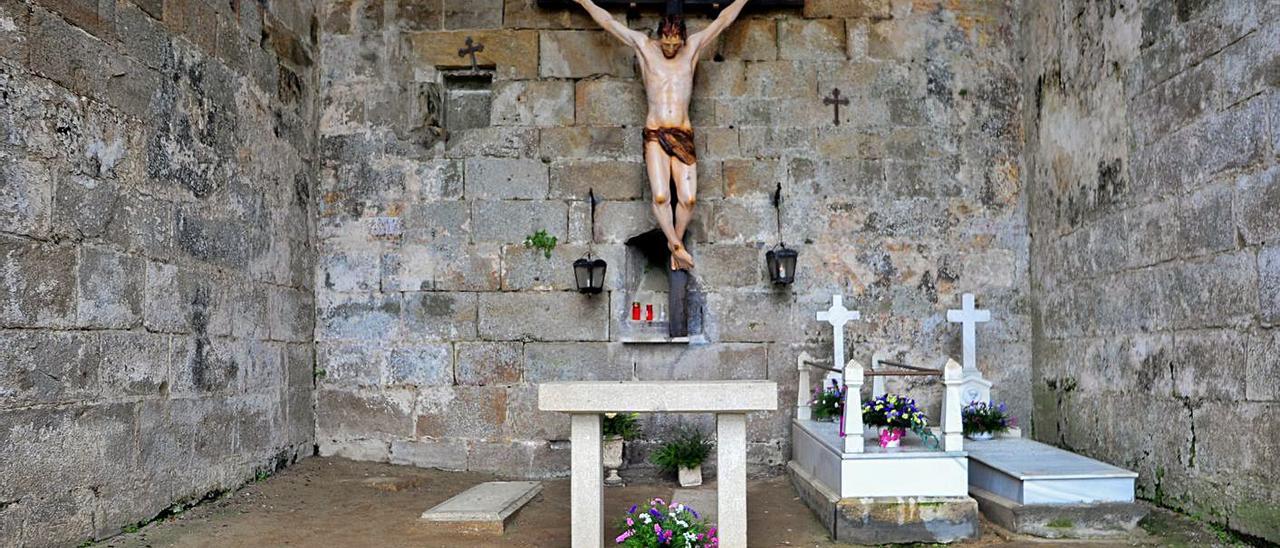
column 586, row 401
column 658, row 396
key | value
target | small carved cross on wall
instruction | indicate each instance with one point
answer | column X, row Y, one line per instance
column 472, row 49
column 836, row 100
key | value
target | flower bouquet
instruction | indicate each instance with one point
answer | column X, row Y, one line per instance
column 827, row 403
column 660, row 524
column 983, row 421
column 895, row 414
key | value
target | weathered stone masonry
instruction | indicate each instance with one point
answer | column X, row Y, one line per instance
column 156, row 309
column 435, row 323
column 1155, row 215
column 209, row 207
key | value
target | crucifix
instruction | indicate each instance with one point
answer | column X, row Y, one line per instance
column 838, row 316
column 837, row 101
column 975, row 388
column 472, row 49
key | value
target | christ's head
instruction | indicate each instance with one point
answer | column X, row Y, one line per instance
column 672, row 35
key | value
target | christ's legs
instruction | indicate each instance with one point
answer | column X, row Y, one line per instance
column 659, row 166
column 686, row 178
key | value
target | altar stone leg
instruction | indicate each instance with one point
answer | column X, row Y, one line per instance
column 586, row 496
column 731, row 474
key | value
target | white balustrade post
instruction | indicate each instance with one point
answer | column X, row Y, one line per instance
column 586, row 487
column 853, row 380
column 731, row 479
column 877, row 382
column 803, row 390
column 952, row 428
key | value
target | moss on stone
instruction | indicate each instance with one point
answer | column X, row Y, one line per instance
column 1061, row 523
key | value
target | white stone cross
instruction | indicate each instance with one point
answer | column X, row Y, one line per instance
column 837, row 316
column 969, row 316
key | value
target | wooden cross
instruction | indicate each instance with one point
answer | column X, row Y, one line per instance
column 471, row 50
column 836, row 100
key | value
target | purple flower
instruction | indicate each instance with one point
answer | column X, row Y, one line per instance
column 655, row 513
column 633, row 509
column 694, row 512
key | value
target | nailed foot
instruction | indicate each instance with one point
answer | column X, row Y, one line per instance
column 680, row 257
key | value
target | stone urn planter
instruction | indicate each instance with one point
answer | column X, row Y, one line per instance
column 690, row 477
column 611, row 457
column 980, row 436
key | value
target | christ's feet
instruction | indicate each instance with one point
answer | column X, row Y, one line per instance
column 680, row 257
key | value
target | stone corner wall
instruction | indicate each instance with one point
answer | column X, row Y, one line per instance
column 435, row 324
column 156, row 309
column 1154, row 186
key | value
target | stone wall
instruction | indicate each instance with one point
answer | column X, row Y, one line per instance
column 155, row 256
column 435, row 324
column 1153, row 134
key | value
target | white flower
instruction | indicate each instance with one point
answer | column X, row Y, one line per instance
column 646, row 518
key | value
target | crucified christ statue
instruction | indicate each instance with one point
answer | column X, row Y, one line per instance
column 667, row 65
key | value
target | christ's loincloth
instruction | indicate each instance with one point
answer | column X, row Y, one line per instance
column 677, row 142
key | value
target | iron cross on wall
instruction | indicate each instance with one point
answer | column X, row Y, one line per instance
column 472, row 49
column 836, row 100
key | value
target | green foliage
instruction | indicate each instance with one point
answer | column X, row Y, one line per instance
column 262, row 475
column 980, row 418
column 690, row 448
column 827, row 403
column 541, row 240
column 621, row 424
column 1061, row 523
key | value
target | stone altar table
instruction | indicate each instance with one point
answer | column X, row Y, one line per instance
column 729, row 400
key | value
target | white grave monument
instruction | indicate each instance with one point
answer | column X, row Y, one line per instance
column 729, row 400
column 973, row 386
column 845, row 479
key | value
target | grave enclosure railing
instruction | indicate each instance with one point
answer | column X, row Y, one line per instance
column 853, row 376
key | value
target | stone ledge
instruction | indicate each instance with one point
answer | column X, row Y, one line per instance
column 888, row 520
column 1078, row 521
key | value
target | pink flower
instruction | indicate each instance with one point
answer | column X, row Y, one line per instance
column 623, row 537
column 630, row 523
column 657, row 529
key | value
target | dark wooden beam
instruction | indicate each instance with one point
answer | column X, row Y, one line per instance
column 659, row 5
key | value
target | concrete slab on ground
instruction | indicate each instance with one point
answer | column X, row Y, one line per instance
column 703, row 500
column 484, row 508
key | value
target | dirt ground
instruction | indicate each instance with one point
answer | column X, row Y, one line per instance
column 337, row 502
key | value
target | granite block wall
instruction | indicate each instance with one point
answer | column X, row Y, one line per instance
column 156, row 308
column 434, row 323
column 1154, row 207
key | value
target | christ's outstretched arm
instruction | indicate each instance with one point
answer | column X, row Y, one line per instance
column 613, row 26
column 701, row 39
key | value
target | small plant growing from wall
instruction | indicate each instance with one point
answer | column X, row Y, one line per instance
column 541, row 240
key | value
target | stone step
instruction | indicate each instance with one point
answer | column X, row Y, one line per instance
column 1077, row 521
column 485, row 508
column 1029, row 472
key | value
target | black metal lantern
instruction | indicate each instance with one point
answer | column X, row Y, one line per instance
column 781, row 262
column 589, row 273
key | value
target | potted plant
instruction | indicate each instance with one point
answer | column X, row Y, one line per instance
column 982, row 421
column 827, row 403
column 894, row 414
column 684, row 455
column 660, row 524
column 617, row 428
